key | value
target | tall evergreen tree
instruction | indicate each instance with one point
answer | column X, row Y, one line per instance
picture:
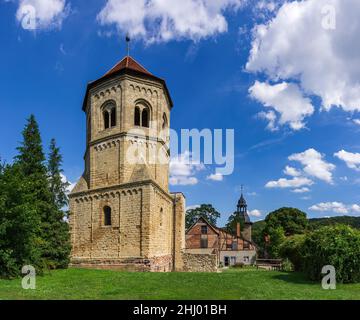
column 59, row 239
column 57, row 185
column 19, row 224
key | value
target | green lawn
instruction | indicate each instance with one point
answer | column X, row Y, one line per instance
column 231, row 284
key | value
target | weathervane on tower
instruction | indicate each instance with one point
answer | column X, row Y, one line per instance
column 127, row 39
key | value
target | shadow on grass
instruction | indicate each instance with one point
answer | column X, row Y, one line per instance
column 293, row 277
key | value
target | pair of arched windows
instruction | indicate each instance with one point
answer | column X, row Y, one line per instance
column 109, row 115
column 142, row 117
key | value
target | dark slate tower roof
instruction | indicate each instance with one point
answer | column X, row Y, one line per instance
column 242, row 209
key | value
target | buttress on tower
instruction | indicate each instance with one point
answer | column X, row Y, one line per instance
column 121, row 212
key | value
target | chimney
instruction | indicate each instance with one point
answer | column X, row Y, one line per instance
column 238, row 230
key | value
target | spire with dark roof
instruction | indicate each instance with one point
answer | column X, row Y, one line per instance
column 242, row 208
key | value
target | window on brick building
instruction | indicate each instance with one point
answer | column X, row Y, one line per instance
column 204, row 230
column 107, row 216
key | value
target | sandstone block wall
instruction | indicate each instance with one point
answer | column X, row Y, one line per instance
column 200, row 262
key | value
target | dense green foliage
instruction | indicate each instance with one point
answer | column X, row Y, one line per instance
column 233, row 220
column 235, row 284
column 279, row 225
column 338, row 246
column 206, row 211
column 353, row 222
column 32, row 230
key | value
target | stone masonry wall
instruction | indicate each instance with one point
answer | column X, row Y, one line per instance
column 199, row 262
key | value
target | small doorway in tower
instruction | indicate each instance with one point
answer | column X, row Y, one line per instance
column 226, row 261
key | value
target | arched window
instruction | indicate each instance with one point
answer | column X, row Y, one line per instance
column 106, row 119
column 109, row 115
column 107, row 216
column 137, row 116
column 145, row 118
column 113, row 117
column 165, row 122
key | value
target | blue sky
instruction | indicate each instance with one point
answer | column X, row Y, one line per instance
column 228, row 65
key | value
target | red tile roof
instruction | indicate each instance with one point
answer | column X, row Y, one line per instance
column 128, row 63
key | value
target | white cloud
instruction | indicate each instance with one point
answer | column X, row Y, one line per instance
column 352, row 160
column 357, row 121
column 71, row 185
column 42, row 14
column 183, row 170
column 195, row 206
column 297, row 44
column 164, row 20
column 301, row 190
column 290, row 171
column 288, row 102
column 255, row 213
column 336, row 207
column 296, row 182
column 314, row 165
column 215, row 177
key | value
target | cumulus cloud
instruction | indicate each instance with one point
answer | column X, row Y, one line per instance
column 315, row 43
column 42, row 14
column 296, row 182
column 287, row 100
column 255, row 213
column 164, row 20
column 71, row 185
column 315, row 165
column 352, row 160
column 336, row 207
column 293, row 172
column 357, row 121
column 301, row 190
column 183, row 170
column 215, row 177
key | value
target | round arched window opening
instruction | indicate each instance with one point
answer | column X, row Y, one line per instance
column 109, row 116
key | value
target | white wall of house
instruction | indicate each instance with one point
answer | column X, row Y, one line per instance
column 230, row 258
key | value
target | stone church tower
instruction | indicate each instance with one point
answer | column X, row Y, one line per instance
column 121, row 212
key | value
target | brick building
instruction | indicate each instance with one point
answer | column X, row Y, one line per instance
column 204, row 238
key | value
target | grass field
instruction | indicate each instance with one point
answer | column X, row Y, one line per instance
column 231, row 284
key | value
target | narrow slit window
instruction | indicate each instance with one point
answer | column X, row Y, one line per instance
column 107, row 216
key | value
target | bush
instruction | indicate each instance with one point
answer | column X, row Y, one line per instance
column 287, row 265
column 291, row 249
column 239, row 265
column 338, row 246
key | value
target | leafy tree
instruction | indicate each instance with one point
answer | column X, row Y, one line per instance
column 233, row 220
column 292, row 220
column 292, row 249
column 276, row 238
column 276, row 227
column 206, row 211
